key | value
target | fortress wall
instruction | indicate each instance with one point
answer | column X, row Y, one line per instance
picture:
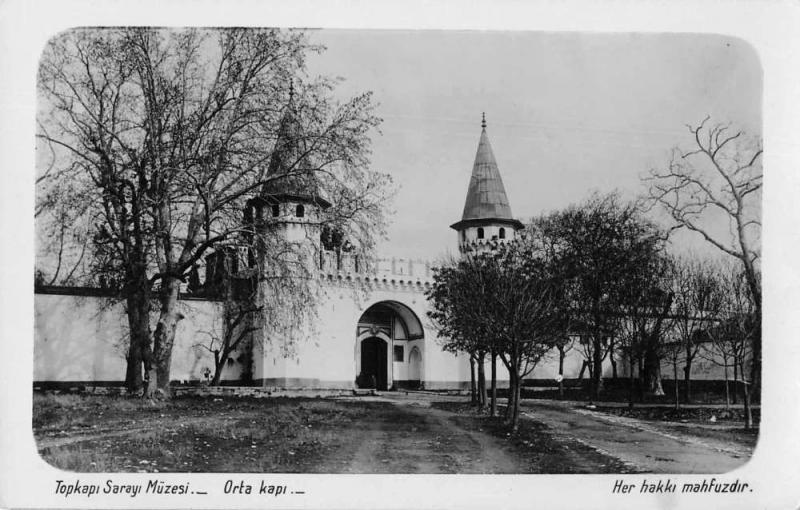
column 84, row 338
column 328, row 358
column 325, row 358
column 78, row 338
column 706, row 366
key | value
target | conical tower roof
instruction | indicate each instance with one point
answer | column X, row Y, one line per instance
column 288, row 171
column 486, row 200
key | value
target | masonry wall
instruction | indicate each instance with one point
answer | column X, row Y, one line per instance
column 328, row 358
column 84, row 339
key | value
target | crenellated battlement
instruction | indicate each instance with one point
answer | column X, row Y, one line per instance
column 413, row 274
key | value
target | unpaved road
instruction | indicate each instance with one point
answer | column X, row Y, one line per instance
column 421, row 437
column 432, row 443
column 392, row 433
column 644, row 446
column 437, row 444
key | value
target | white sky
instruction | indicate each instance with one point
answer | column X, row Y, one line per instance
column 567, row 113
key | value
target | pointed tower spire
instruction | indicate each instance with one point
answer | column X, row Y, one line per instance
column 486, row 196
column 486, row 207
column 289, row 172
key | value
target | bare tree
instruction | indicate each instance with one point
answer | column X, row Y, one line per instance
column 733, row 336
column 168, row 134
column 697, row 302
column 714, row 185
column 648, row 308
column 235, row 330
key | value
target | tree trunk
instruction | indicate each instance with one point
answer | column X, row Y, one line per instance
column 755, row 291
column 675, row 383
column 150, row 374
column 727, row 386
column 139, row 334
column 735, row 378
column 612, row 360
column 631, row 381
column 517, row 396
column 640, row 377
column 493, row 409
column 597, row 371
column 138, row 307
column 164, row 336
column 472, row 389
column 133, row 367
column 755, row 369
column 748, row 411
column 652, row 368
column 561, row 356
column 219, row 363
column 481, row 381
column 583, row 369
column 510, row 404
column 687, row 380
column 512, row 393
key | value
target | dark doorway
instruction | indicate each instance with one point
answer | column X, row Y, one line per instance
column 373, row 364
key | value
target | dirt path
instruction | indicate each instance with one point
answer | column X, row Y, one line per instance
column 426, row 440
column 55, row 439
column 396, row 432
column 643, row 446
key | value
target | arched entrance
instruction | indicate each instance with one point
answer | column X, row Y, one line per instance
column 389, row 347
column 373, row 364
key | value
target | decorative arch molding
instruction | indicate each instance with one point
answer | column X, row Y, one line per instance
column 411, row 322
column 383, row 336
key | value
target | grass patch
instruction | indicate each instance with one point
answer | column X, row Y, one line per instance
column 195, row 434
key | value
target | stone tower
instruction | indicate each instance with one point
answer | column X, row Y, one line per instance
column 288, row 210
column 291, row 201
column 487, row 221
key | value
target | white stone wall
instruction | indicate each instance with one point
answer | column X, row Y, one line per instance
column 84, row 338
column 329, row 357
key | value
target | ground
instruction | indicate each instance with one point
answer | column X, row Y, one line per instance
column 391, row 433
column 649, row 445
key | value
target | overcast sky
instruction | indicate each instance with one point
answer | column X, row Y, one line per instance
column 566, row 113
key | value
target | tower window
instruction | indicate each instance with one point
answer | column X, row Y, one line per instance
column 276, row 210
column 502, row 233
column 300, row 211
column 398, row 353
column 480, row 232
